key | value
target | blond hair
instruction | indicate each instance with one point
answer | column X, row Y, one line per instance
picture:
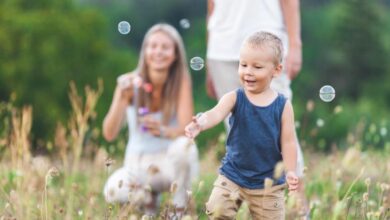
column 177, row 71
column 262, row 38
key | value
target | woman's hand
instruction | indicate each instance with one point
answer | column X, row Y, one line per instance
column 125, row 84
column 153, row 126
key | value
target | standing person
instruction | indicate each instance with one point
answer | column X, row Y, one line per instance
column 156, row 102
column 229, row 22
column 262, row 135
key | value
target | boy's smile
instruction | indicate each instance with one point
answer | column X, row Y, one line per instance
column 257, row 68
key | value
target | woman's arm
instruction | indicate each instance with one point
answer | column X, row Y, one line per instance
column 116, row 114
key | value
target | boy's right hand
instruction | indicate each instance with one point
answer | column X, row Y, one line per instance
column 192, row 129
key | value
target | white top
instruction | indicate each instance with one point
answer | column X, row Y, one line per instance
column 233, row 20
column 142, row 142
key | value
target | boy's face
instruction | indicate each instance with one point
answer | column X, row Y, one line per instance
column 257, row 68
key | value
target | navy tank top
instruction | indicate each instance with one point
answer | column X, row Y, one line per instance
column 253, row 146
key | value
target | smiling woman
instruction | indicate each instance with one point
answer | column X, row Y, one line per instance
column 156, row 101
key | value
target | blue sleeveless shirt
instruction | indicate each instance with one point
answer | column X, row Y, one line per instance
column 253, row 146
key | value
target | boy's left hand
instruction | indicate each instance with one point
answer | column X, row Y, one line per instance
column 292, row 181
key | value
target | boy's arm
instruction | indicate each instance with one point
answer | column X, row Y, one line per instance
column 220, row 111
column 289, row 147
column 212, row 117
column 288, row 138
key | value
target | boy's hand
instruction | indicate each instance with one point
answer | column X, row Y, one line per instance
column 192, row 129
column 292, row 181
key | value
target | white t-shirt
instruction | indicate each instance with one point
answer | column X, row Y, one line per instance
column 233, row 20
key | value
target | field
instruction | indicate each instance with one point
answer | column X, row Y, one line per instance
column 67, row 182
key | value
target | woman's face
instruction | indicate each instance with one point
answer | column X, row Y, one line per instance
column 159, row 52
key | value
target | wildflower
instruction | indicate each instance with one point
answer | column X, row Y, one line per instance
column 278, row 171
column 53, row 172
column 310, row 105
column 365, row 197
column 384, row 187
column 109, row 162
column 338, row 109
column 367, row 181
column 120, row 183
column 268, row 183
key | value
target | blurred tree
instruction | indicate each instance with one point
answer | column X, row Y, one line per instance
column 359, row 56
column 45, row 44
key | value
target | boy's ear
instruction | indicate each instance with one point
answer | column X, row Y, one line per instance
column 278, row 70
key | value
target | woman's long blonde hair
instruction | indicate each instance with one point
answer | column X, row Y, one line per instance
column 177, row 71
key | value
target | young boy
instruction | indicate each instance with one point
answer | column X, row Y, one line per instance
column 262, row 135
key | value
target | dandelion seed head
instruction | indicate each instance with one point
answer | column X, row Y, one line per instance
column 53, row 172
column 367, row 181
column 120, row 183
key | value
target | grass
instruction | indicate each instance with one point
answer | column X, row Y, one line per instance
column 68, row 182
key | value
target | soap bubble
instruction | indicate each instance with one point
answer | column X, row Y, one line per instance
column 327, row 93
column 185, row 23
column 124, row 27
column 196, row 63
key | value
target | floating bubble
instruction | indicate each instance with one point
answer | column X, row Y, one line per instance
column 124, row 27
column 196, row 63
column 327, row 93
column 185, row 23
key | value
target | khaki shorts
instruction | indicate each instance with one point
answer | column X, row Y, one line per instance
column 227, row 197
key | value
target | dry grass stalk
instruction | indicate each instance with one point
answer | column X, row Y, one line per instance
column 19, row 143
